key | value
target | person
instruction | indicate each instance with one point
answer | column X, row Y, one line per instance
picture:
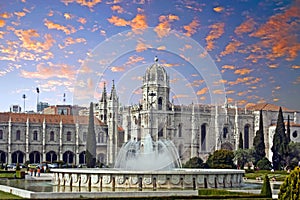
column 34, row 171
column 31, row 171
column 39, row 172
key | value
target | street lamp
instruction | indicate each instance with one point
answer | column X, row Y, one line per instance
column 37, row 99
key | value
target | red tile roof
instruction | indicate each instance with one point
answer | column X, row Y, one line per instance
column 50, row 119
column 269, row 107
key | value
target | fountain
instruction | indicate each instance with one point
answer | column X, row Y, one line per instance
column 148, row 165
column 149, row 155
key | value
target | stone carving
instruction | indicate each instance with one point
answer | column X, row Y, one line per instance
column 75, row 178
column 188, row 179
column 200, row 179
column 161, row 179
column 120, row 179
column 175, row 179
column 94, row 179
column 134, row 180
column 106, row 179
column 147, row 179
column 84, row 178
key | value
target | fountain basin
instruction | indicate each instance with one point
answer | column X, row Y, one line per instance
column 171, row 179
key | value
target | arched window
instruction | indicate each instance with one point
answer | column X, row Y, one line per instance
column 246, row 136
column 99, row 137
column 18, row 135
column 84, row 137
column 69, row 136
column 35, row 135
column 225, row 132
column 180, row 130
column 159, row 103
column 1, row 134
column 52, row 136
column 203, row 137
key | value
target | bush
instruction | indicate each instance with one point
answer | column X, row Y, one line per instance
column 290, row 188
column 194, row 162
column 221, row 159
column 266, row 188
column 264, row 164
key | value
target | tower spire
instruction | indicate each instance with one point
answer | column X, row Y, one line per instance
column 103, row 98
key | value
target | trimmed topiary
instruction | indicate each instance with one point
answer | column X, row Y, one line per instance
column 266, row 187
column 290, row 188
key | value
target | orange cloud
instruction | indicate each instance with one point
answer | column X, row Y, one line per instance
column 134, row 59
column 218, row 9
column 51, row 70
column 231, row 47
column 66, row 29
column 164, row 27
column 216, row 32
column 191, row 28
column 118, row 21
column 178, row 96
column 82, row 20
column 139, row 23
column 117, row 8
column 2, row 23
column 274, row 36
column 28, row 43
column 297, row 81
column 202, row 91
column 117, row 69
column 296, row 67
column 243, row 71
column 20, row 14
column 5, row 15
column 245, row 27
column 245, row 80
column 69, row 41
column 68, row 16
column 88, row 3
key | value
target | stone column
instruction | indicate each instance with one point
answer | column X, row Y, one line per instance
column 60, row 140
column 77, row 143
column 27, row 140
column 9, row 141
column 44, row 141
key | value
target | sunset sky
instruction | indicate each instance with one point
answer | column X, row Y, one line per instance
column 74, row 46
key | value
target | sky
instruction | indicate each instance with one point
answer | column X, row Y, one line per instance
column 244, row 50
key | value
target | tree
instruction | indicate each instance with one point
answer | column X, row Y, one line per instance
column 290, row 188
column 241, row 142
column 244, row 156
column 280, row 144
column 294, row 153
column 194, row 162
column 266, row 188
column 259, row 141
column 91, row 140
column 221, row 159
column 264, row 164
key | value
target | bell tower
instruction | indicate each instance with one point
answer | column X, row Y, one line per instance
column 156, row 88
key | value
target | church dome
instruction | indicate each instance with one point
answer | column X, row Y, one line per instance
column 156, row 74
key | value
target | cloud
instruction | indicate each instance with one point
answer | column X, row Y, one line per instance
column 138, row 23
column 218, row 9
column 117, row 8
column 216, row 32
column 231, row 47
column 279, row 35
column 5, row 15
column 50, row 70
column 245, row 80
column 164, row 27
column 66, row 29
column 26, row 37
column 134, row 59
column 296, row 67
column 117, row 69
column 70, row 41
column 118, row 21
column 202, row 91
column 2, row 23
column 81, row 20
column 142, row 46
column 246, row 27
column 20, row 14
column 68, row 16
column 87, row 3
column 243, row 71
column 191, row 28
column 179, row 96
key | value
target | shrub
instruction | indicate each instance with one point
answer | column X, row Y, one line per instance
column 221, row 159
column 266, row 188
column 290, row 188
column 264, row 164
column 194, row 162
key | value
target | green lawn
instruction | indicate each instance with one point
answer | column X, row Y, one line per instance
column 5, row 195
column 279, row 175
